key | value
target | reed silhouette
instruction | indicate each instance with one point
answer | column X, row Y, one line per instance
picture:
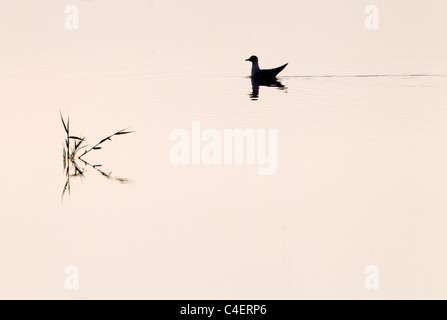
column 71, row 156
column 255, row 84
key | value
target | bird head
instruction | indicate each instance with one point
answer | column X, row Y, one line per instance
column 252, row 59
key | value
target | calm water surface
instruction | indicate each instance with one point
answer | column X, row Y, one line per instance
column 361, row 176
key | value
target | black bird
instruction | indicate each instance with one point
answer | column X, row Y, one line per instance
column 263, row 75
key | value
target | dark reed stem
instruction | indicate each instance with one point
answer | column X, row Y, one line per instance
column 97, row 146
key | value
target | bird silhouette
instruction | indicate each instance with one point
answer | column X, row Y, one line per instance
column 263, row 74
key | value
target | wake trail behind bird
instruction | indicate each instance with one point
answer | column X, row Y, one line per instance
column 370, row 76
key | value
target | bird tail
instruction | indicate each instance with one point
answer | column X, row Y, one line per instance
column 279, row 69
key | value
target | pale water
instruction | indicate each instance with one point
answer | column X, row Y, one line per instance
column 361, row 171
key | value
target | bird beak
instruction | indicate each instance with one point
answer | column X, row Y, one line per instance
column 247, row 59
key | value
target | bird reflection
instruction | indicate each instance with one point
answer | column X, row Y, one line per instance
column 255, row 84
